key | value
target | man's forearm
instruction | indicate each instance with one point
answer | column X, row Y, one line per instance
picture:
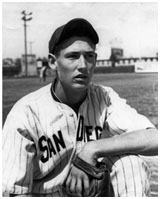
column 142, row 142
column 24, row 195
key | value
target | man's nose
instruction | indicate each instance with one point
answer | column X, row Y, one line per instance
column 82, row 62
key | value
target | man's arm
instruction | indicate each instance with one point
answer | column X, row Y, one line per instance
column 24, row 195
column 142, row 142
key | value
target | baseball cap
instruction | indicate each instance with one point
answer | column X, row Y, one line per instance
column 75, row 27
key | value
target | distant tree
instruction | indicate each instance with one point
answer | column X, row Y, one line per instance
column 11, row 67
column 18, row 64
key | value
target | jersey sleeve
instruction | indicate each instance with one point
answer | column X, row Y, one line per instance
column 18, row 152
column 122, row 118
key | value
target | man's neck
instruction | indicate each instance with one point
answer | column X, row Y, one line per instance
column 70, row 97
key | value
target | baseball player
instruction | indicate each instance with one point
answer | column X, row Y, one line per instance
column 55, row 138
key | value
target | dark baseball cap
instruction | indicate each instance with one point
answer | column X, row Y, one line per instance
column 75, row 27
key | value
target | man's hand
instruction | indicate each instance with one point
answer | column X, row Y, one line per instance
column 79, row 184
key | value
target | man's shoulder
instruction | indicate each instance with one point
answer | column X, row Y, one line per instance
column 37, row 93
column 34, row 96
column 99, row 88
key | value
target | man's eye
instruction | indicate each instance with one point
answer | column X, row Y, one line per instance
column 73, row 56
column 90, row 55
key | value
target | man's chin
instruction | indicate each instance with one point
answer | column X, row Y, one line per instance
column 79, row 86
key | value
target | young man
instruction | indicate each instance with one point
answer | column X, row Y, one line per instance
column 48, row 129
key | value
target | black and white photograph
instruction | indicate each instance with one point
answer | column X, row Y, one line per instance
column 79, row 99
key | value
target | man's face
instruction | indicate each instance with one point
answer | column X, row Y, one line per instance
column 76, row 62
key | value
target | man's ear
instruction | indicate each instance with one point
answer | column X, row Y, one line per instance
column 96, row 56
column 52, row 61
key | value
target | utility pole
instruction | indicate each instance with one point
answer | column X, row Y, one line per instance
column 25, row 19
column 30, row 44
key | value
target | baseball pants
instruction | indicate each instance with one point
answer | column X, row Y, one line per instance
column 129, row 177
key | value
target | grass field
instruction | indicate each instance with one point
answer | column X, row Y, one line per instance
column 140, row 90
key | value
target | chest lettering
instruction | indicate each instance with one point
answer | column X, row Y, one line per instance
column 87, row 133
column 52, row 146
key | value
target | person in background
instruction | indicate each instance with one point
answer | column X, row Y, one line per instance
column 39, row 65
column 43, row 71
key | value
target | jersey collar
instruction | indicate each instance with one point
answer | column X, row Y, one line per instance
column 53, row 91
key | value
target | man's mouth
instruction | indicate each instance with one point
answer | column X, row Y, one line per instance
column 81, row 76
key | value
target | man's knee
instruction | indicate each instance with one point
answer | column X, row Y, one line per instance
column 129, row 176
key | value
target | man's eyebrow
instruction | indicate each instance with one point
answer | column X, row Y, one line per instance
column 72, row 53
column 77, row 52
column 91, row 52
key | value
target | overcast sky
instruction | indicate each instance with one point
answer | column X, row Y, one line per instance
column 131, row 26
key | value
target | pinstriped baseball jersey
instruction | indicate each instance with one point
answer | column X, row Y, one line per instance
column 41, row 135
